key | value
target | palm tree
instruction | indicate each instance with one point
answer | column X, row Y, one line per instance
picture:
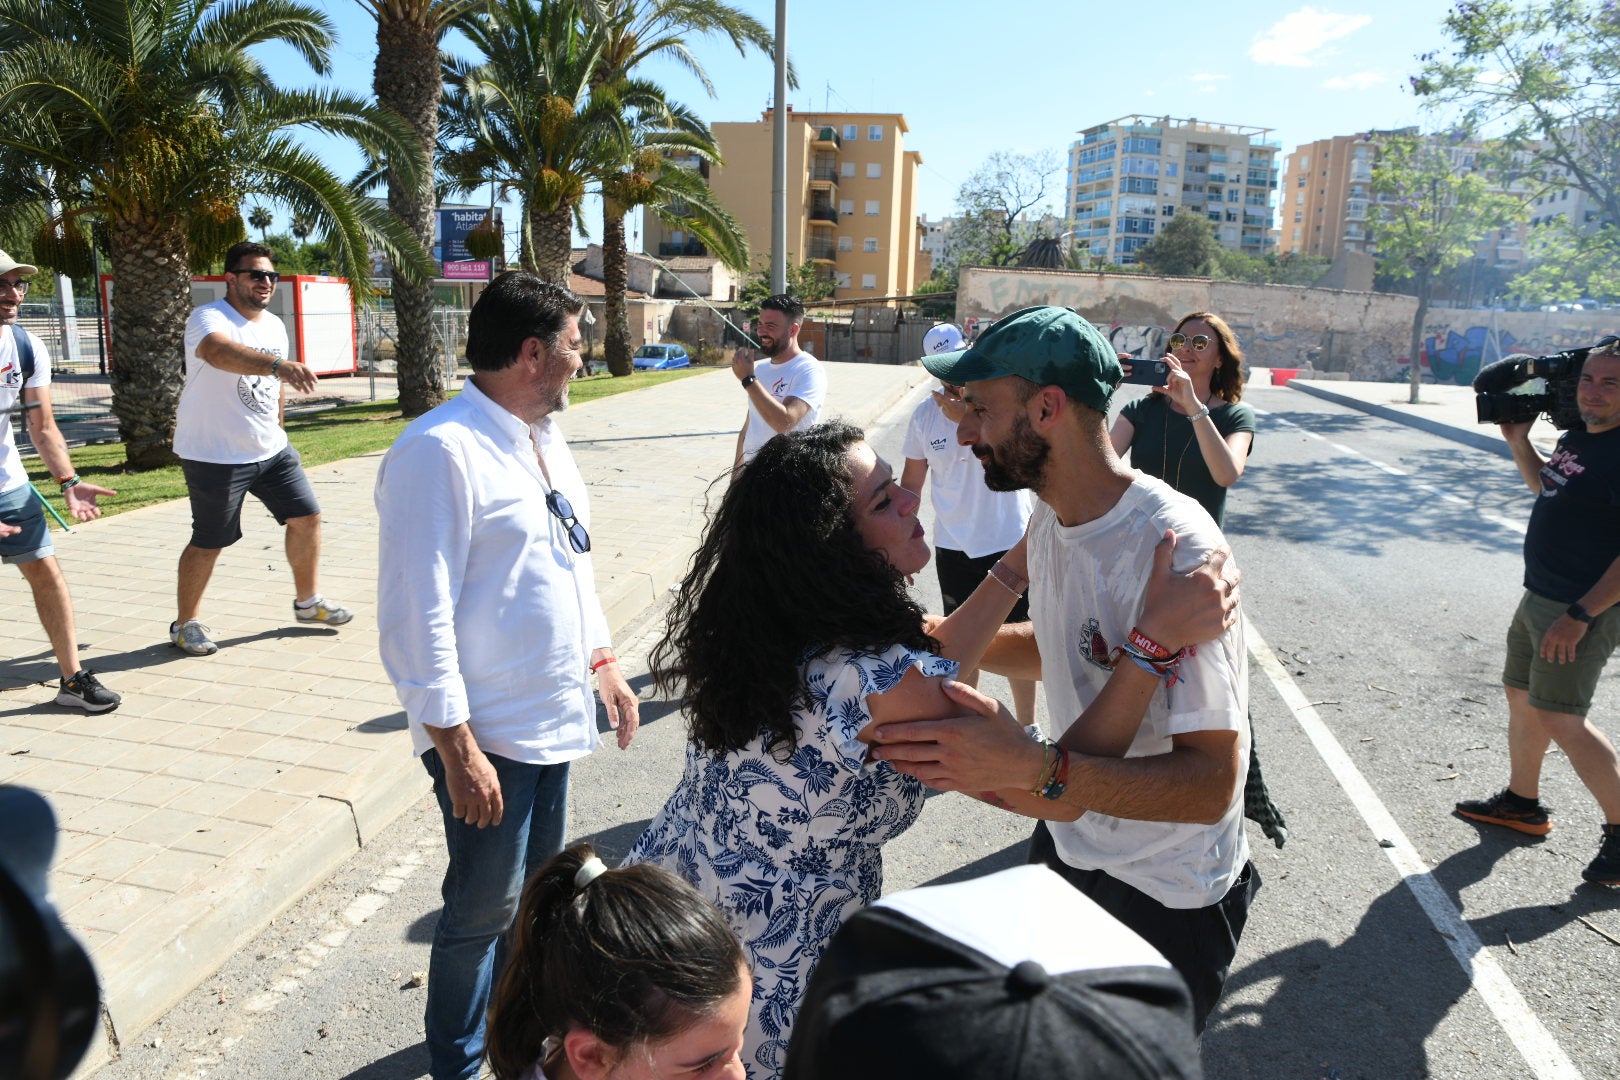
column 527, row 119
column 154, row 116
column 260, row 219
column 654, row 176
column 406, row 79
column 301, row 228
column 636, row 31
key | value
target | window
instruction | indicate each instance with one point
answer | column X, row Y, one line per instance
column 869, row 245
column 873, row 170
column 846, row 243
column 841, row 279
column 873, row 209
column 869, row 281
column 852, row 132
column 846, row 207
column 1299, row 215
column 1169, row 209
column 1172, row 169
column 847, row 170
column 874, row 132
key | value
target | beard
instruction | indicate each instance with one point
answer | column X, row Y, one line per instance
column 244, row 298
column 770, row 348
column 1019, row 462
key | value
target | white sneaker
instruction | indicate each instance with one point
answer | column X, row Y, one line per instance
column 191, row 637
column 323, row 611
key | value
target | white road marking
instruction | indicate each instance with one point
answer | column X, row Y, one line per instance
column 1541, row 1052
column 1484, row 515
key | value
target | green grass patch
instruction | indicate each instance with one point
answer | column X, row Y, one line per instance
column 321, row 437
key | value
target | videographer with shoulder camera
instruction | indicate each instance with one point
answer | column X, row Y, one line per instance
column 1567, row 624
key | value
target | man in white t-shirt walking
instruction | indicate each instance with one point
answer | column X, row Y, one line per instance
column 787, row 388
column 229, row 436
column 1153, row 735
column 25, row 539
column 973, row 526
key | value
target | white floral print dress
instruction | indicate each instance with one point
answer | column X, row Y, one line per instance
column 789, row 850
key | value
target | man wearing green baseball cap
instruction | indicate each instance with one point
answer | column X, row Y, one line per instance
column 1145, row 786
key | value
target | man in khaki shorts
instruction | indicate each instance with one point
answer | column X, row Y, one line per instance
column 1567, row 624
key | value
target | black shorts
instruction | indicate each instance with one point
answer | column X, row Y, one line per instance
column 960, row 575
column 217, row 490
column 1199, row 942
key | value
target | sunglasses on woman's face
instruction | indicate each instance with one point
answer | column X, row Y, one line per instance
column 1199, row 342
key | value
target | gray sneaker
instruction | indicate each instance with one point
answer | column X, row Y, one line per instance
column 191, row 637
column 323, row 611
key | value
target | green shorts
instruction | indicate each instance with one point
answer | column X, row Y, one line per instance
column 1561, row 688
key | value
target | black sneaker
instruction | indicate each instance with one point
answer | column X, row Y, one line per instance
column 1496, row 810
column 84, row 691
column 1605, row 869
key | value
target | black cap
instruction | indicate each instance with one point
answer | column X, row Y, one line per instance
column 1015, row 975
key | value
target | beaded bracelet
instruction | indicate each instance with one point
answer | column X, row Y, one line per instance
column 1059, row 781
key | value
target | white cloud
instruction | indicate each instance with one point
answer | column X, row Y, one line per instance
column 1303, row 38
column 1361, row 80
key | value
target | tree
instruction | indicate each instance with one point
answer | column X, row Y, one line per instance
column 1428, row 218
column 992, row 205
column 636, row 31
column 1184, row 247
column 155, row 118
column 1545, row 73
column 261, row 219
column 301, row 228
column 406, row 79
column 1566, row 265
column 806, row 280
column 529, row 119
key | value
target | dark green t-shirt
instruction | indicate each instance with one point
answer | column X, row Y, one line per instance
column 1164, row 445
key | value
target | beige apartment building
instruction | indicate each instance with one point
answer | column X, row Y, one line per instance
column 1328, row 204
column 1128, row 177
column 851, row 202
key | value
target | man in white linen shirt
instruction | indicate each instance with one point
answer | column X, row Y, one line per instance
column 491, row 629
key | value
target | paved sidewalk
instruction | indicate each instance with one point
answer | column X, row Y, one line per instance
column 1447, row 411
column 226, row 787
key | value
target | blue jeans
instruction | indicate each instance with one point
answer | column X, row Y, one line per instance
column 482, row 886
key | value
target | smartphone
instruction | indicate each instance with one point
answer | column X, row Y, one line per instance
column 1147, row 372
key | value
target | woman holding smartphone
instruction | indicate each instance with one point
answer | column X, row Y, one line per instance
column 1194, row 433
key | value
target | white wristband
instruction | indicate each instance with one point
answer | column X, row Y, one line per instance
column 1200, row 414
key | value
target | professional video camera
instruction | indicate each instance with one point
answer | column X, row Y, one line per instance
column 1504, row 391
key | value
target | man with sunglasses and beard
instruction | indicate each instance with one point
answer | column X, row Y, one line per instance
column 1146, row 779
column 229, row 435
column 491, row 630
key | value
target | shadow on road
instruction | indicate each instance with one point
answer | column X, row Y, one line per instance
column 1365, row 1006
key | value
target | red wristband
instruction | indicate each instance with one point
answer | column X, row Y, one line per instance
column 602, row 663
column 1149, row 646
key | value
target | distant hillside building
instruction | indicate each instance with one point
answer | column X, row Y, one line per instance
column 1128, row 177
column 851, row 198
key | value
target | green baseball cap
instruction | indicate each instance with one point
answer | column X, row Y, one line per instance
column 1049, row 346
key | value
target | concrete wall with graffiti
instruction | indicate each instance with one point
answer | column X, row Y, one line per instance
column 1456, row 343
column 1278, row 326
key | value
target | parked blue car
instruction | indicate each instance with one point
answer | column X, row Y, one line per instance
column 661, row 358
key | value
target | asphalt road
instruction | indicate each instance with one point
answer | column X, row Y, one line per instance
column 1390, row 940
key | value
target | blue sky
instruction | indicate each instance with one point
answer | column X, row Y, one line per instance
column 1026, row 75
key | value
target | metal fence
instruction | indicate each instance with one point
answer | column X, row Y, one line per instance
column 81, row 396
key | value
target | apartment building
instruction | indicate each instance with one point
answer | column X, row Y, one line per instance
column 851, row 203
column 1129, row 176
column 1328, row 205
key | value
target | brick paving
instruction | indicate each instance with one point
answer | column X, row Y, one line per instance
column 227, row 786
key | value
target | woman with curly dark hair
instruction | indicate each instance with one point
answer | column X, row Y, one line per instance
column 792, row 637
column 1201, row 406
column 626, row 973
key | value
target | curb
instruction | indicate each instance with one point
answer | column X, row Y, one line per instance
column 1477, row 439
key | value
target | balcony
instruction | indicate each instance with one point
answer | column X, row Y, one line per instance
column 824, row 177
column 823, row 250
column 823, row 213
column 826, row 138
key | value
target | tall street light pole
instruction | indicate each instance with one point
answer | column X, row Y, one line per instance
column 779, row 158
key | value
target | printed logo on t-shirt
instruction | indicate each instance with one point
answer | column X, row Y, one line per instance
column 1563, row 466
column 258, row 393
column 12, row 376
column 1094, row 647
column 779, row 388
column 938, row 444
